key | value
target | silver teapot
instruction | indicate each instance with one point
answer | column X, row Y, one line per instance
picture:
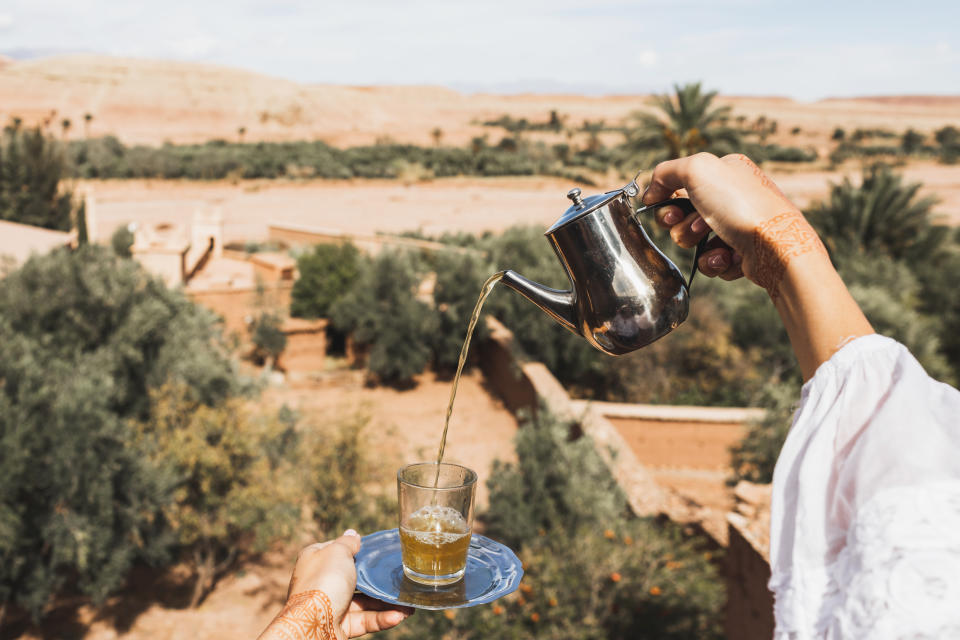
column 625, row 293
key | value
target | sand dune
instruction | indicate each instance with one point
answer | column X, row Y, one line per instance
column 149, row 101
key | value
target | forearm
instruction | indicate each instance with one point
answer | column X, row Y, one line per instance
column 817, row 310
column 306, row 616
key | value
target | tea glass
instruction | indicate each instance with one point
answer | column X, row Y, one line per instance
column 436, row 520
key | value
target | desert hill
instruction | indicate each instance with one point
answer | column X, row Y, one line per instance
column 150, row 101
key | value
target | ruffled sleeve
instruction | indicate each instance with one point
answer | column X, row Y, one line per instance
column 865, row 515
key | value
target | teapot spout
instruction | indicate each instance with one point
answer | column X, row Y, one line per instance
column 559, row 305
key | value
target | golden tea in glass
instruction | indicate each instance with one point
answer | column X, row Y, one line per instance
column 436, row 517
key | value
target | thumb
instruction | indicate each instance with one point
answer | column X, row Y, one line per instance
column 351, row 540
column 337, row 575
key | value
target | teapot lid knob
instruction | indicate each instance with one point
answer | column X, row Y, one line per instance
column 574, row 195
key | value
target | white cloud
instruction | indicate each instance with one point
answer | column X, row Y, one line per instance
column 647, row 58
column 6, row 21
column 194, row 47
column 943, row 48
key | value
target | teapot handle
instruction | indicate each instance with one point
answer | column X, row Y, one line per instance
column 686, row 206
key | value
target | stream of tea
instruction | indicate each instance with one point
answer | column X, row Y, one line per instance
column 484, row 292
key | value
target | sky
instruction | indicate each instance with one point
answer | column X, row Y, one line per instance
column 805, row 50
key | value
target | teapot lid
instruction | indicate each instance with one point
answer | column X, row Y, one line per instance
column 582, row 206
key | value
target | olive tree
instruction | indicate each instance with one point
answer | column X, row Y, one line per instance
column 84, row 337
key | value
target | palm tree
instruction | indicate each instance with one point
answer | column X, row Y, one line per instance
column 87, row 119
column 65, row 126
column 556, row 121
column 241, row 131
column 686, row 123
column 881, row 215
column 437, row 135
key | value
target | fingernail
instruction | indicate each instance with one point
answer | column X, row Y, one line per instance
column 672, row 216
column 351, row 532
column 698, row 225
column 718, row 261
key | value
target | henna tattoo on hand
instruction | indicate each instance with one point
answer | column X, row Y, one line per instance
column 764, row 180
column 776, row 242
column 306, row 616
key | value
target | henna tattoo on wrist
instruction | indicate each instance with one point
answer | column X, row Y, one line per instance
column 306, row 616
column 776, row 242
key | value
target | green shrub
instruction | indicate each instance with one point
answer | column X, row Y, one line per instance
column 645, row 582
column 778, row 153
column 98, row 158
column 948, row 138
column 122, row 241
column 889, row 294
column 326, row 273
column 268, row 337
column 912, row 141
column 84, row 337
column 229, row 494
column 107, row 158
column 458, row 285
column 699, row 364
column 384, row 315
column 77, row 506
column 559, row 482
column 31, row 166
column 939, row 298
column 866, row 134
column 335, row 467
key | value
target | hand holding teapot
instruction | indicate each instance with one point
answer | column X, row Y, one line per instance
column 624, row 292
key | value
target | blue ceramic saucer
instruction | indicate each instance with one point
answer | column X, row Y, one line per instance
column 493, row 571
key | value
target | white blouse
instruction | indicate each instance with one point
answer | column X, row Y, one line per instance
column 865, row 513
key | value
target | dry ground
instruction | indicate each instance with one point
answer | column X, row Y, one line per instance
column 451, row 204
column 405, row 426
